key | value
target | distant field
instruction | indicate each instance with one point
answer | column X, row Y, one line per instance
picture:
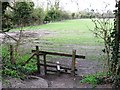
column 63, row 25
column 63, row 37
column 69, row 32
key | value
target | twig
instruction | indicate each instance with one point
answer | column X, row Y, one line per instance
column 10, row 36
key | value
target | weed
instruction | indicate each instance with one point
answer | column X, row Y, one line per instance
column 16, row 70
column 90, row 79
column 94, row 79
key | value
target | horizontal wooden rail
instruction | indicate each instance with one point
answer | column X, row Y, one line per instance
column 60, row 54
column 56, row 71
column 55, row 66
column 29, row 59
column 54, row 63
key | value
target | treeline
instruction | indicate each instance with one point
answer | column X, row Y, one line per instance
column 24, row 14
column 92, row 14
column 20, row 14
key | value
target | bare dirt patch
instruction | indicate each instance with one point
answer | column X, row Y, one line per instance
column 33, row 82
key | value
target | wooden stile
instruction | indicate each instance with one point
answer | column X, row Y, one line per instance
column 45, row 65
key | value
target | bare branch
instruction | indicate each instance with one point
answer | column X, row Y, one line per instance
column 10, row 36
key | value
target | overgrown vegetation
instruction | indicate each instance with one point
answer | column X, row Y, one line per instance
column 16, row 70
column 96, row 79
column 115, row 45
column 6, row 19
column 110, row 34
column 103, row 29
column 22, row 14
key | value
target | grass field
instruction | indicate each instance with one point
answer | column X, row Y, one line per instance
column 67, row 35
column 69, row 32
column 64, row 25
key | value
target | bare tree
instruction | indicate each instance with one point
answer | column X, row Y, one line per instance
column 103, row 27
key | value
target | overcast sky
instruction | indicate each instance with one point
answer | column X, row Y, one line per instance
column 83, row 4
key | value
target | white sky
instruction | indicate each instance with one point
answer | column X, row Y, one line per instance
column 83, row 4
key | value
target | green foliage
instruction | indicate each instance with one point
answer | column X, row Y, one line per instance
column 90, row 79
column 28, row 68
column 16, row 70
column 6, row 19
column 73, row 15
column 115, row 45
column 56, row 15
column 38, row 15
column 116, row 79
column 10, row 72
column 8, row 69
column 53, row 14
column 7, row 23
column 93, row 79
column 65, row 15
column 22, row 13
column 47, row 18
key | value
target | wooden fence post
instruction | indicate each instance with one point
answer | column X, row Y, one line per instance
column 38, row 59
column 45, row 66
column 12, row 55
column 73, row 62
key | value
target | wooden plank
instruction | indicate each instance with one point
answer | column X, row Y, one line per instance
column 45, row 67
column 54, row 66
column 58, row 66
column 56, row 71
column 49, row 62
column 38, row 59
column 60, row 54
column 29, row 59
column 73, row 62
